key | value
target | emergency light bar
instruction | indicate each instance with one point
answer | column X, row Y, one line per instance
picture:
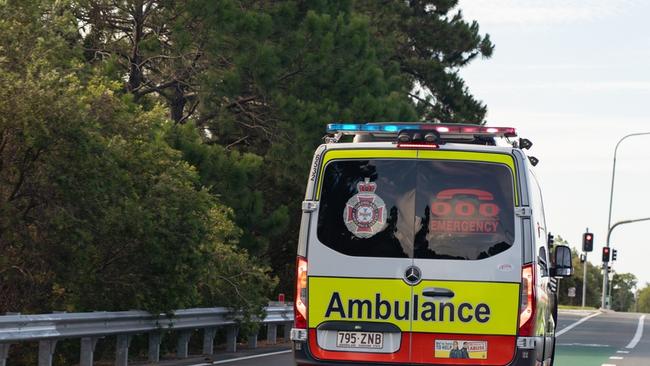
column 443, row 129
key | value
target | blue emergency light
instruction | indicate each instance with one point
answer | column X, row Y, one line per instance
column 379, row 127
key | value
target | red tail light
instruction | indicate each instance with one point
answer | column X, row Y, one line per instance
column 300, row 305
column 527, row 308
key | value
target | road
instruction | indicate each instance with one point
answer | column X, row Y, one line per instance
column 605, row 339
column 585, row 339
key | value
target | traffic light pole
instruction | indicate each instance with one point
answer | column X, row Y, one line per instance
column 605, row 265
column 609, row 219
column 584, row 280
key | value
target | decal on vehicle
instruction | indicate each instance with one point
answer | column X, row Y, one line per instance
column 365, row 212
column 464, row 211
column 475, row 308
column 460, row 349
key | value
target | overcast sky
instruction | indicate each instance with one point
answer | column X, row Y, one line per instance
column 574, row 77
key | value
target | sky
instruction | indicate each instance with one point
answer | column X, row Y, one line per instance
column 573, row 76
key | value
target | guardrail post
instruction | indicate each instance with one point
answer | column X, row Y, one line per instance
column 181, row 345
column 208, row 340
column 287, row 331
column 87, row 351
column 272, row 334
column 4, row 353
column 122, row 350
column 45, row 352
column 154, row 346
column 231, row 338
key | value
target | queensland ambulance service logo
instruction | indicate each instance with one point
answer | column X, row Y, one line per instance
column 365, row 212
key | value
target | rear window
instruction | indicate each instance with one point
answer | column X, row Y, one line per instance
column 417, row 208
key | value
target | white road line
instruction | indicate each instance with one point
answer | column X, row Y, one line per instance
column 607, row 364
column 622, row 351
column 615, row 358
column 583, row 345
column 569, row 327
column 638, row 334
column 243, row 358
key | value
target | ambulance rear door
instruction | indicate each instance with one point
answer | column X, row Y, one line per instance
column 467, row 251
column 359, row 248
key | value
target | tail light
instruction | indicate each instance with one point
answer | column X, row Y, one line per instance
column 527, row 308
column 300, row 306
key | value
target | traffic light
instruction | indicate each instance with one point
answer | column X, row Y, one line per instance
column 605, row 254
column 587, row 242
column 614, row 252
column 551, row 240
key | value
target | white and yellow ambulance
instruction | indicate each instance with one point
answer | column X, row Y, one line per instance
column 426, row 244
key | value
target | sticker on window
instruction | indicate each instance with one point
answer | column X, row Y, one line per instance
column 464, row 211
column 460, row 349
column 365, row 212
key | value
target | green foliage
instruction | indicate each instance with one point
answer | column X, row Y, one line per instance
column 98, row 211
column 430, row 41
column 643, row 300
column 622, row 296
column 238, row 178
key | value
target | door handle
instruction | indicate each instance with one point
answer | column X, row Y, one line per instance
column 438, row 292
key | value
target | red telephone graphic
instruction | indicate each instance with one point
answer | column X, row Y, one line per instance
column 441, row 207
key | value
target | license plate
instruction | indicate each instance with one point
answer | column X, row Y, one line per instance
column 359, row 340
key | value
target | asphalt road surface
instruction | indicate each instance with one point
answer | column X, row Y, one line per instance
column 585, row 338
column 621, row 339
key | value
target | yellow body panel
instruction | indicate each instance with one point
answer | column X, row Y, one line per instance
column 476, row 308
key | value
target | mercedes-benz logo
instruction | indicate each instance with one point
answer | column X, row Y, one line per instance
column 412, row 276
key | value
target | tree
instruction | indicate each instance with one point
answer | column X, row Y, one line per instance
column 643, row 299
column 153, row 45
column 430, row 41
column 622, row 296
column 98, row 211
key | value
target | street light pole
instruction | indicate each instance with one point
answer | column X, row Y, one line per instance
column 609, row 219
column 605, row 265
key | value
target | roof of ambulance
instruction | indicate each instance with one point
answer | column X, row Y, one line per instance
column 444, row 147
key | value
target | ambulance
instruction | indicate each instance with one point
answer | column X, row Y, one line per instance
column 425, row 244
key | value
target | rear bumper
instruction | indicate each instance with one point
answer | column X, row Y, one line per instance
column 302, row 356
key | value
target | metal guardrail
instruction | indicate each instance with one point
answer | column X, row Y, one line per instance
column 48, row 329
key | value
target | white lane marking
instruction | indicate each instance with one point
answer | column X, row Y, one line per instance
column 243, row 358
column 607, row 364
column 638, row 334
column 569, row 327
column 583, row 345
column 615, row 358
column 622, row 351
